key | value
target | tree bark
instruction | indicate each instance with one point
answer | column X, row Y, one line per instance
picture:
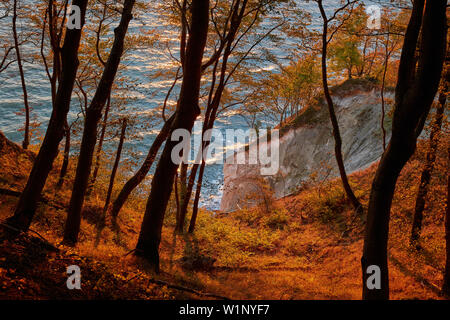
column 336, row 131
column 425, row 178
column 26, row 139
column 187, row 111
column 29, row 199
column 93, row 115
column 107, row 108
column 210, row 117
column 114, row 169
column 65, row 164
column 237, row 12
column 181, row 198
column 197, row 198
column 415, row 92
column 55, row 34
column 100, row 147
column 140, row 175
column 383, row 87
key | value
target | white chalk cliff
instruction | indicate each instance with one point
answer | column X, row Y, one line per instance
column 307, row 145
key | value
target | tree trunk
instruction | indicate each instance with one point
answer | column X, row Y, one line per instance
column 93, row 115
column 336, row 132
column 107, row 108
column 140, row 175
column 197, row 198
column 187, row 111
column 29, row 199
column 114, row 169
column 415, row 93
column 210, row 117
column 187, row 198
column 100, row 147
column 214, row 98
column 65, row 164
column 26, row 139
column 181, row 215
column 55, row 34
column 383, row 87
column 425, row 178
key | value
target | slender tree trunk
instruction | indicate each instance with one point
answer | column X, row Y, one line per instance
column 182, row 198
column 187, row 198
column 214, row 99
column 100, row 147
column 210, row 118
column 26, row 139
column 425, row 178
column 55, row 42
column 215, row 95
column 65, row 164
column 108, row 105
column 140, row 175
column 197, row 198
column 415, row 92
column 114, row 169
column 209, row 123
column 29, row 199
column 336, row 132
column 93, row 115
column 383, row 86
column 372, row 60
column 187, row 111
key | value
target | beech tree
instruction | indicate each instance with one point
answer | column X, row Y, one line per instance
column 281, row 94
column 93, row 115
column 235, row 16
column 31, row 194
column 425, row 177
column 418, row 80
column 102, row 220
column 242, row 19
column 65, row 163
column 98, row 32
column 326, row 38
column 26, row 139
column 186, row 113
column 142, row 172
column 53, row 26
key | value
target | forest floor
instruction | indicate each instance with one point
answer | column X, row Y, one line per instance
column 305, row 246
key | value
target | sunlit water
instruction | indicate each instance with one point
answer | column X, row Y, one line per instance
column 149, row 95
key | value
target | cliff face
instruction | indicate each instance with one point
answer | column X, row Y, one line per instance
column 307, row 146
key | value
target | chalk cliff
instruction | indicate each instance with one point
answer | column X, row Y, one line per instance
column 307, row 146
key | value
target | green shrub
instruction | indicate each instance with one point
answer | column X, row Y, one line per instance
column 277, row 220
